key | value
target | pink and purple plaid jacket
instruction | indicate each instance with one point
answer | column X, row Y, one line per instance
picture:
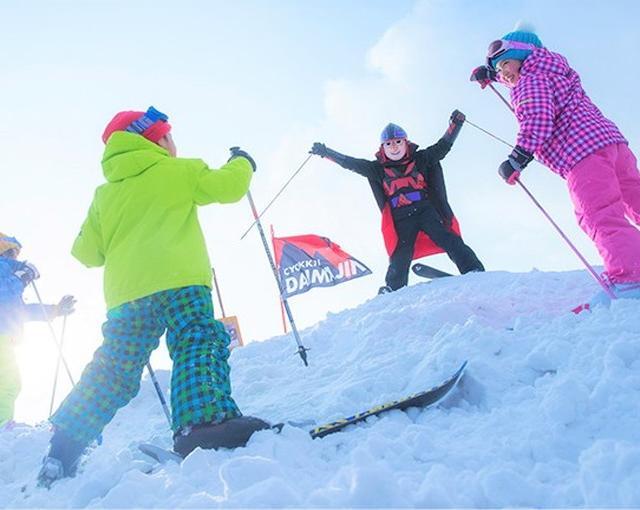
column 558, row 121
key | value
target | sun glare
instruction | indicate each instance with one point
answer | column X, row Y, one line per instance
column 37, row 358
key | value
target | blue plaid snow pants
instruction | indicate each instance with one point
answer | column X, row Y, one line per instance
column 198, row 346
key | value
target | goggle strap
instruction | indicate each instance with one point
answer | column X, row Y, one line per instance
column 503, row 45
column 150, row 117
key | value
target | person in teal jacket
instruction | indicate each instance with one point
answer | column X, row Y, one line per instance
column 143, row 227
column 15, row 275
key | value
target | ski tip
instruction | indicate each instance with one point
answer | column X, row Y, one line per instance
column 428, row 272
column 159, row 454
column 458, row 375
column 461, row 369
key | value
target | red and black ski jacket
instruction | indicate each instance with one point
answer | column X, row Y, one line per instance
column 402, row 188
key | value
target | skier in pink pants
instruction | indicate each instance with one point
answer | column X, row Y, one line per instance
column 564, row 130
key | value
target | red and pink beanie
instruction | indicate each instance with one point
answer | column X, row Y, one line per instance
column 138, row 122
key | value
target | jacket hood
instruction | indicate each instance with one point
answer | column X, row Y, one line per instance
column 543, row 61
column 127, row 155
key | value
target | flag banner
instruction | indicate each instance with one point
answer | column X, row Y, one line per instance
column 309, row 261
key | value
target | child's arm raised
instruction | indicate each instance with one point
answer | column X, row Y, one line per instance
column 226, row 185
column 362, row 167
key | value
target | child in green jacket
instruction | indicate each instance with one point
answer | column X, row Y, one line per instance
column 143, row 228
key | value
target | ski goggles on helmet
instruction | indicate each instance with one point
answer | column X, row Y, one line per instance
column 150, row 117
column 501, row 46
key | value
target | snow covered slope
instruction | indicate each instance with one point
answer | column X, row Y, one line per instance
column 546, row 415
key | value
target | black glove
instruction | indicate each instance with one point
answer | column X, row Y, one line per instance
column 27, row 272
column 455, row 125
column 510, row 169
column 483, row 75
column 237, row 152
column 319, row 149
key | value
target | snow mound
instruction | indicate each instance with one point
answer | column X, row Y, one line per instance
column 546, row 415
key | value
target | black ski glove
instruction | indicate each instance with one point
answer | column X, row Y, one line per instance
column 510, row 169
column 320, row 149
column 483, row 75
column 237, row 152
column 455, row 125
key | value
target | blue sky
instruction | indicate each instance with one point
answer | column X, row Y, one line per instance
column 274, row 77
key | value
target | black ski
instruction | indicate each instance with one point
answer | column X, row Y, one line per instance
column 428, row 272
column 422, row 399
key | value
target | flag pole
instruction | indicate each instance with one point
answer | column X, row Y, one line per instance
column 302, row 350
column 284, row 321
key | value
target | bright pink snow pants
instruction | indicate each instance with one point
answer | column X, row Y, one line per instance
column 604, row 187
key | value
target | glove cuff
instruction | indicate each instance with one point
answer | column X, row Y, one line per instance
column 520, row 158
column 452, row 131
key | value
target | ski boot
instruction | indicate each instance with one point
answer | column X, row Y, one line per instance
column 231, row 433
column 385, row 290
column 62, row 460
column 627, row 290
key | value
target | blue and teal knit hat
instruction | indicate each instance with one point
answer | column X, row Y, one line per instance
column 522, row 36
column 392, row 131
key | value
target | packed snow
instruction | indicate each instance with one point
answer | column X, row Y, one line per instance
column 546, row 414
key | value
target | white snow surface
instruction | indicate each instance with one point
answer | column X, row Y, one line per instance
column 546, row 415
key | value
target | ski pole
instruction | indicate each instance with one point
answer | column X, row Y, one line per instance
column 302, row 350
column 497, row 92
column 488, row 133
column 575, row 250
column 257, row 217
column 215, row 282
column 53, row 333
column 55, row 377
column 284, row 320
column 593, row 272
column 163, row 402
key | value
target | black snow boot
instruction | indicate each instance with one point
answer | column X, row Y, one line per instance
column 231, row 433
column 62, row 460
column 385, row 290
